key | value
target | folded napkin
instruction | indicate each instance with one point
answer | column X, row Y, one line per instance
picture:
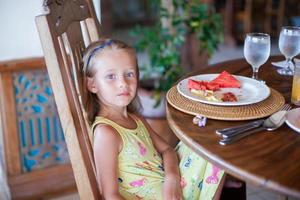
column 282, row 63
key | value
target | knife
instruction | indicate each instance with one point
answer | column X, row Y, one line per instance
column 227, row 132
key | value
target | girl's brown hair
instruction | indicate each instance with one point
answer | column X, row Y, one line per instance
column 91, row 102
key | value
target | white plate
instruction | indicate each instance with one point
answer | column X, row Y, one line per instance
column 293, row 119
column 251, row 91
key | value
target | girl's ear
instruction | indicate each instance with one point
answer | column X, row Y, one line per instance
column 91, row 85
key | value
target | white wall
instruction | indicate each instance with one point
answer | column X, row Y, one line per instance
column 18, row 34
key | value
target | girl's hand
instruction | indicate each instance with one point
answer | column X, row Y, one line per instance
column 171, row 188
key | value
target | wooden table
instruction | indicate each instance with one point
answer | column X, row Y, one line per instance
column 268, row 160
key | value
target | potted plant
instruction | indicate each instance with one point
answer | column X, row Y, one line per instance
column 166, row 42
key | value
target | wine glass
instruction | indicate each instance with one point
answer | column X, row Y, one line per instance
column 257, row 50
column 289, row 46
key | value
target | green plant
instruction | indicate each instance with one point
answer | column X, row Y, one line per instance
column 163, row 43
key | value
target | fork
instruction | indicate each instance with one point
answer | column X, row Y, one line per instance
column 271, row 123
column 229, row 132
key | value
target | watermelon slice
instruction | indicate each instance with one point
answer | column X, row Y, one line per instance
column 202, row 85
column 226, row 80
column 213, row 86
column 197, row 85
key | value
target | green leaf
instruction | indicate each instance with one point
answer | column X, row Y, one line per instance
column 164, row 46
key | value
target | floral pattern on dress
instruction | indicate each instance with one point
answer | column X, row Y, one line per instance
column 138, row 183
column 146, row 165
column 142, row 148
column 213, row 178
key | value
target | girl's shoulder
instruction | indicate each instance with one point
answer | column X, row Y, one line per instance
column 105, row 130
column 104, row 122
column 106, row 136
column 104, row 133
column 102, row 128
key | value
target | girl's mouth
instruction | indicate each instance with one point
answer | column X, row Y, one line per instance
column 124, row 94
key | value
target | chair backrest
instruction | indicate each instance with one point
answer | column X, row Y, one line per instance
column 65, row 31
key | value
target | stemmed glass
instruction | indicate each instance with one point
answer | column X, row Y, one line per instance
column 257, row 50
column 289, row 46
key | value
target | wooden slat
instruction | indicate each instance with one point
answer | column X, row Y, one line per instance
column 93, row 33
column 93, row 17
column 44, row 182
column 92, row 24
column 75, row 41
column 9, row 124
column 22, row 64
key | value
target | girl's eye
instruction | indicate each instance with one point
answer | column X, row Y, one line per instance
column 130, row 74
column 110, row 76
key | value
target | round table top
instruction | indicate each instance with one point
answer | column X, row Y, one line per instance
column 267, row 159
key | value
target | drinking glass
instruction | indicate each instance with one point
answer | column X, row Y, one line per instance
column 289, row 46
column 257, row 50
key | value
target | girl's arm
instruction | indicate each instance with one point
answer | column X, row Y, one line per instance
column 107, row 144
column 172, row 189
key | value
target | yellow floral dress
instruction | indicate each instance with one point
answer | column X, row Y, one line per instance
column 141, row 172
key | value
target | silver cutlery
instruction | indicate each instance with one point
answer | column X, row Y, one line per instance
column 239, row 129
column 270, row 124
column 234, row 132
column 245, row 127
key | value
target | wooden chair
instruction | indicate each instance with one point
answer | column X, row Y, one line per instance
column 65, row 31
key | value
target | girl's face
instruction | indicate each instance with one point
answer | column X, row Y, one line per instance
column 115, row 78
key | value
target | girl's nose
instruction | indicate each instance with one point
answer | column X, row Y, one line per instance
column 122, row 81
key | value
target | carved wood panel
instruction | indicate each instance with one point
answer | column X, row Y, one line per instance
column 41, row 137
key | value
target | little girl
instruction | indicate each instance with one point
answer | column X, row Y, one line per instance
column 132, row 161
